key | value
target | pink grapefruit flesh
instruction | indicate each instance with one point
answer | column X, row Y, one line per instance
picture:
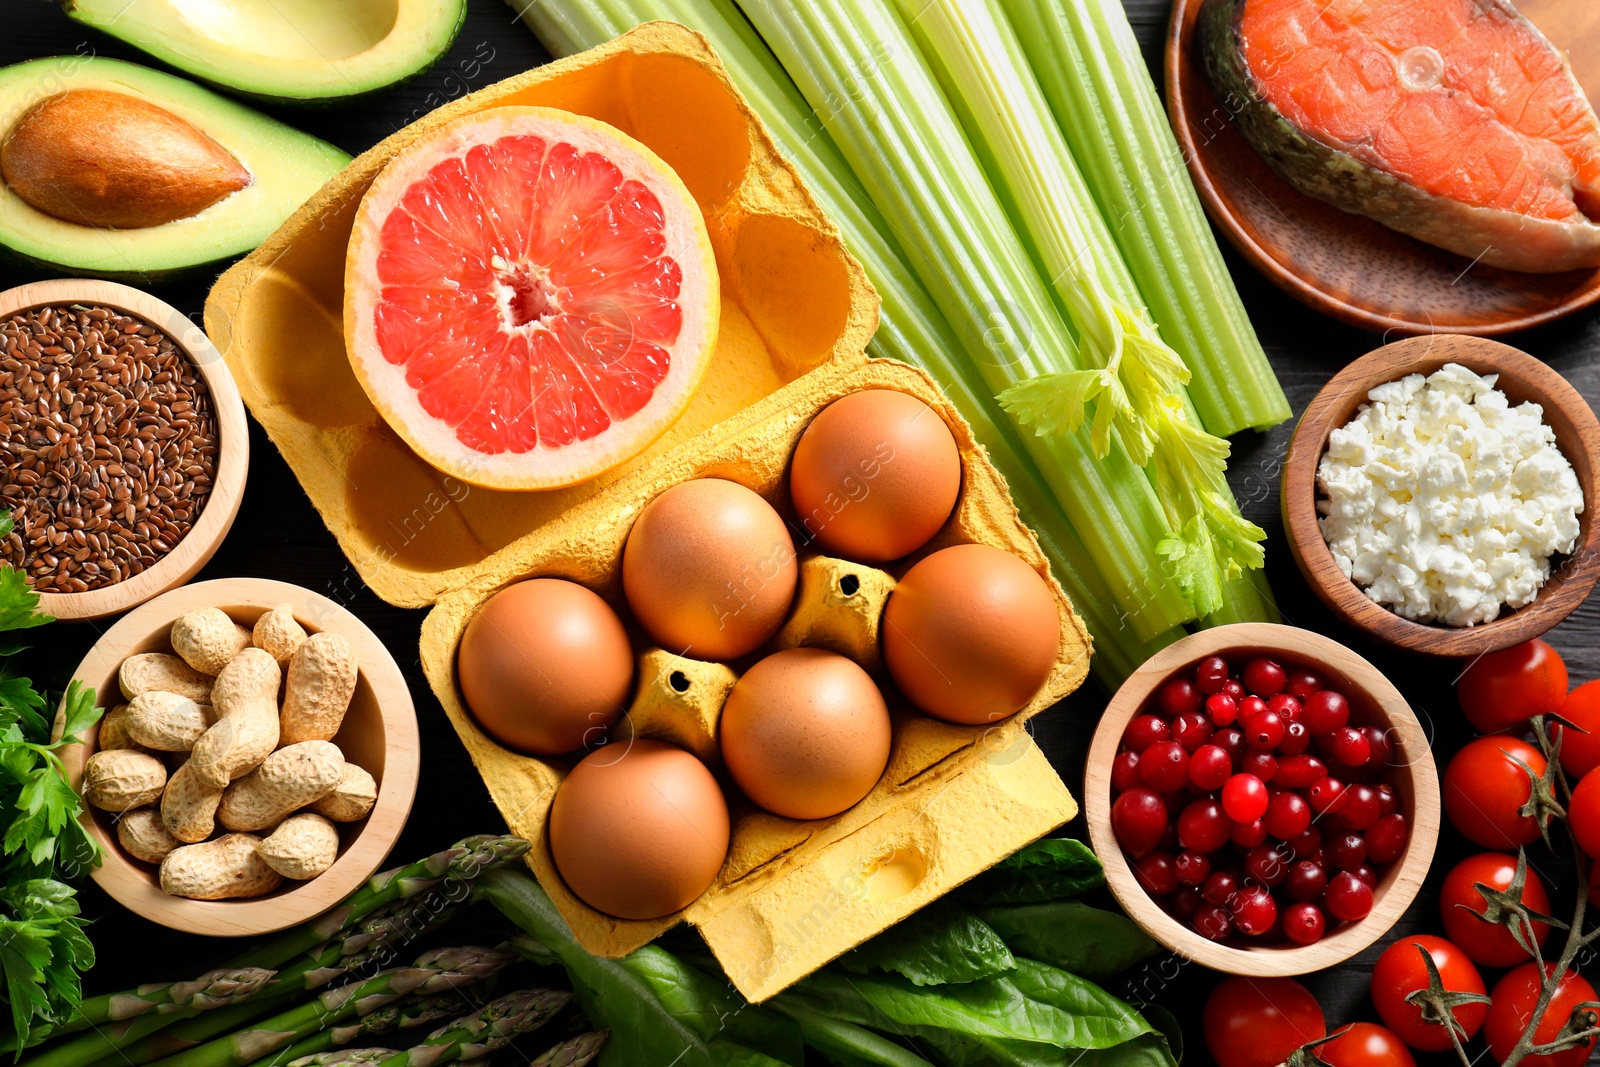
column 530, row 297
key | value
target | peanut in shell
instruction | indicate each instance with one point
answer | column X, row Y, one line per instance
column 289, row 779
column 322, row 679
column 207, row 639
column 143, row 835
column 167, row 722
column 351, row 799
column 121, row 779
column 189, row 805
column 279, row 634
column 224, row 869
column 303, row 846
column 246, row 731
column 165, row 672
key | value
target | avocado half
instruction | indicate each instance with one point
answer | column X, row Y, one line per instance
column 285, row 51
column 285, row 168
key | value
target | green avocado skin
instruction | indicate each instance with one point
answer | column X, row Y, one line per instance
column 423, row 63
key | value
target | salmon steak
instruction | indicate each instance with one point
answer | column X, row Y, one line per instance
column 1454, row 121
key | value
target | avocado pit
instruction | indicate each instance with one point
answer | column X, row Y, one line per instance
column 111, row 160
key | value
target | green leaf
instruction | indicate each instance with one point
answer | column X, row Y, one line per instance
column 1055, row 868
column 19, row 605
column 1073, row 936
column 80, row 711
column 712, row 1009
column 22, row 705
column 942, row 944
column 1166, row 1022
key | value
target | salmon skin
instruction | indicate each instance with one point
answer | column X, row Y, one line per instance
column 1454, row 121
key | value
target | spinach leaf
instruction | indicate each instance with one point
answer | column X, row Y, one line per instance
column 845, row 1044
column 1166, row 1022
column 1071, row 935
column 711, row 1008
column 943, row 944
column 1056, row 868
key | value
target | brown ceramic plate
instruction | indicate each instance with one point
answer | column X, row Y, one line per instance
column 1348, row 266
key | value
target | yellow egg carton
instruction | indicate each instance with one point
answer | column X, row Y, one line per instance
column 797, row 312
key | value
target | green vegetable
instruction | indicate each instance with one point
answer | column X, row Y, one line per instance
column 214, row 989
column 480, row 1034
column 406, row 1014
column 1072, row 936
column 941, row 944
column 1053, row 868
column 1088, row 64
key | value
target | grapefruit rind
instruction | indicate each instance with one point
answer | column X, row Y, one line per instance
column 543, row 467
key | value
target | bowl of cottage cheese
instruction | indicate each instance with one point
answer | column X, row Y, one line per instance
column 1436, row 495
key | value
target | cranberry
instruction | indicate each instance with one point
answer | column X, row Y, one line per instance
column 1306, row 880
column 1125, row 771
column 1361, row 808
column 1387, row 839
column 1222, row 709
column 1178, row 697
column 1169, row 836
column 1381, row 744
column 1303, row 923
column 1254, row 911
column 1231, row 740
column 1184, row 903
column 1244, row 798
column 1192, row 867
column 1302, row 683
column 1203, row 827
column 1143, row 731
column 1211, row 675
column 1296, row 739
column 1367, row 873
column 1288, row 815
column 1264, row 677
column 1349, row 746
column 1347, row 851
column 1234, row 688
column 1191, row 730
column 1219, row 887
column 1348, row 897
column 1305, row 846
column 1325, row 794
column 1164, row 766
column 1264, row 765
column 1157, row 873
column 1264, row 730
column 1209, row 767
column 1249, row 834
column 1211, row 921
column 1297, row 772
column 1266, row 865
column 1138, row 818
column 1250, row 705
column 1286, row 706
column 1389, row 799
column 1325, row 712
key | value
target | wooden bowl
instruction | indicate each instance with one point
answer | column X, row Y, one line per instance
column 1373, row 701
column 233, row 453
column 379, row 733
column 1521, row 378
column 1357, row 270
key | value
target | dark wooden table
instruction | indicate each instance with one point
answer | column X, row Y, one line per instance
column 279, row 535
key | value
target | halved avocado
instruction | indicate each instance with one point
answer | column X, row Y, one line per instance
column 285, row 51
column 283, row 168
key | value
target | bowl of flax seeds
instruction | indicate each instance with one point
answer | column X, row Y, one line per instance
column 123, row 445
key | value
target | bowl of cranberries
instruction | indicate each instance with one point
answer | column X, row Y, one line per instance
column 1263, row 799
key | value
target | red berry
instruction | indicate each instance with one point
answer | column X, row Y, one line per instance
column 1202, row 826
column 1298, row 772
column 1254, row 911
column 1125, row 772
column 1305, row 846
column 1325, row 712
column 1266, row 865
column 1244, row 798
column 1367, row 874
column 1288, row 815
column 1303, row 923
column 1219, row 887
column 1191, row 730
column 1183, row 903
column 1264, row 730
column 1234, row 688
column 1143, row 731
column 1209, row 767
column 1192, row 867
column 1164, row 766
column 1361, row 807
column 1264, row 677
column 1347, row 851
column 1264, row 765
column 1325, row 794
column 1287, row 706
column 1381, row 744
column 1387, row 839
column 1250, row 705
column 1211, row 675
column 1349, row 746
column 1306, row 880
column 1348, row 897
column 1231, row 740
column 1138, row 818
column 1156, row 873
column 1389, row 798
column 1302, row 683
column 1222, row 709
column 1178, row 697
column 1212, row 922
column 1249, row 834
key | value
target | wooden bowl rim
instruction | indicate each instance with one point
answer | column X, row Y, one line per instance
column 1298, row 501
column 1401, row 882
column 130, row 886
column 233, row 454
column 1196, row 154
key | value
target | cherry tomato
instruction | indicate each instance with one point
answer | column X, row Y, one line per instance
column 1139, row 819
column 1486, row 943
column 1178, row 697
column 1325, row 712
column 1584, row 813
column 1502, row 690
column 1400, row 972
column 1366, row 1045
column 1580, row 752
column 1264, row 677
column 1257, row 1022
column 1484, row 788
column 1211, row 675
column 1511, row 1010
column 1304, row 923
column 1244, row 798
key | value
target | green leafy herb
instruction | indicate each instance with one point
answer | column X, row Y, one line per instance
column 1073, row 936
column 1056, row 868
column 939, row 945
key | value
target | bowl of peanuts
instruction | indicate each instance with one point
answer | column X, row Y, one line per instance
column 256, row 762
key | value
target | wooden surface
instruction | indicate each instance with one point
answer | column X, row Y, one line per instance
column 1349, row 266
column 233, row 452
column 1523, row 379
column 278, row 535
column 378, row 734
column 1374, row 701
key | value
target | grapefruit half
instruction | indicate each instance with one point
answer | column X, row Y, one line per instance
column 530, row 297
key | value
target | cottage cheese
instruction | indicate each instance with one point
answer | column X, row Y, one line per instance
column 1444, row 502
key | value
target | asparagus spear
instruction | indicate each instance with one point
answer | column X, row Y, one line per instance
column 574, row 1051
column 477, row 1035
column 407, row 1014
column 434, row 971
column 214, row 989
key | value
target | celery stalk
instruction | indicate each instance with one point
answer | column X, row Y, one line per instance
column 1087, row 62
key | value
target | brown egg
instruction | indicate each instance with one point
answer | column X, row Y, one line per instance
column 709, row 570
column 875, row 475
column 545, row 666
column 970, row 634
column 639, row 830
column 805, row 733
